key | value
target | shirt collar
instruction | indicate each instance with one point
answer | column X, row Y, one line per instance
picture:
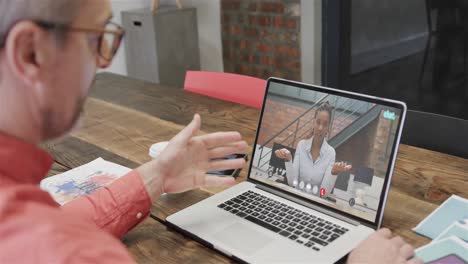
column 322, row 148
column 21, row 162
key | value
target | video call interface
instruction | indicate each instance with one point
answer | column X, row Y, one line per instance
column 330, row 149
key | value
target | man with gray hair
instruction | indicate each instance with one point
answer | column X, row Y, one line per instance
column 49, row 53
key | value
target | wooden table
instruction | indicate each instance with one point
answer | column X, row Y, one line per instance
column 123, row 117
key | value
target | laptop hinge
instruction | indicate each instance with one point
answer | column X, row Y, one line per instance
column 309, row 205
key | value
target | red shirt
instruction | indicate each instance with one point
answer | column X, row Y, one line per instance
column 35, row 229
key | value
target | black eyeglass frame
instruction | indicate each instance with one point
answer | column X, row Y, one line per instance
column 119, row 34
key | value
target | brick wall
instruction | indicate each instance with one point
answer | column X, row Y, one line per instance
column 380, row 157
column 358, row 149
column 278, row 115
column 262, row 38
column 368, row 148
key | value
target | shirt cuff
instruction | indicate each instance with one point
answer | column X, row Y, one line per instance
column 131, row 202
column 115, row 208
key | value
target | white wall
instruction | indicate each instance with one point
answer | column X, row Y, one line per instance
column 118, row 65
column 209, row 28
column 311, row 41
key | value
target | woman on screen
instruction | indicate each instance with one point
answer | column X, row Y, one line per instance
column 313, row 169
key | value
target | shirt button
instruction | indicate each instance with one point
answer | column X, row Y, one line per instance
column 139, row 215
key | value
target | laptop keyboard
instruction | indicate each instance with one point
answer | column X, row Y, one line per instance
column 299, row 226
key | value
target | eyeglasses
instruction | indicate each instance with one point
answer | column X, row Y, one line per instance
column 109, row 39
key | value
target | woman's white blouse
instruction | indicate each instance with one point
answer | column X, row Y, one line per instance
column 303, row 173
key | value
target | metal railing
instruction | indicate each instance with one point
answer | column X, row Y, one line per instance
column 286, row 128
column 344, row 112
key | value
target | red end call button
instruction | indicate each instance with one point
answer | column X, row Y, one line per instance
column 322, row 192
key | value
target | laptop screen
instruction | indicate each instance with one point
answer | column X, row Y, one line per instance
column 331, row 147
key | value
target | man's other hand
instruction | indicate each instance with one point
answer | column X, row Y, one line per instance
column 382, row 248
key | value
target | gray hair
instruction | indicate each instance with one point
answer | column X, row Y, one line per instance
column 61, row 12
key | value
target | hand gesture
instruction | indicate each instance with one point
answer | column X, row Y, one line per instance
column 183, row 164
column 340, row 167
column 283, row 154
column 380, row 247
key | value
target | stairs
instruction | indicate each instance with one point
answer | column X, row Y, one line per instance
column 349, row 117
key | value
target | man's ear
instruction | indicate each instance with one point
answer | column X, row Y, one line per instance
column 26, row 49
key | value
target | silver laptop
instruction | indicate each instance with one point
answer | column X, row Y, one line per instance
column 306, row 209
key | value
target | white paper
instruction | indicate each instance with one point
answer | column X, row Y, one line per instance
column 82, row 180
column 445, row 247
column 453, row 209
column 458, row 229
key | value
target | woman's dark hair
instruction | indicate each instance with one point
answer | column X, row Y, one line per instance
column 325, row 106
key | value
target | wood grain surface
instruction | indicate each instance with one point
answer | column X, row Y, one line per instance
column 125, row 116
column 153, row 242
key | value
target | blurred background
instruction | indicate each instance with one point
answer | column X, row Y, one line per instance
column 413, row 51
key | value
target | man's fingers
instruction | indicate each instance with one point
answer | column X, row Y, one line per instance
column 385, row 232
column 415, row 261
column 190, row 130
column 235, row 148
column 407, row 251
column 217, row 165
column 220, row 138
column 398, row 241
column 217, row 181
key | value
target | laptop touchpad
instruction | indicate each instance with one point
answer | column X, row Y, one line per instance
column 243, row 238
